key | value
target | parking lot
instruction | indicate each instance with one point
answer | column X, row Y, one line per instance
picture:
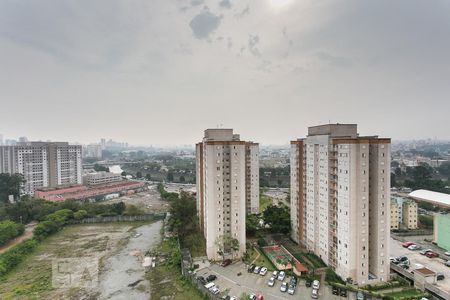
column 228, row 279
column 434, row 264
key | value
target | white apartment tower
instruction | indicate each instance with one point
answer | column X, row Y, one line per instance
column 227, row 188
column 42, row 164
column 340, row 200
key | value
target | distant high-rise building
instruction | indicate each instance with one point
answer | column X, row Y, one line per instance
column 340, row 200
column 92, row 151
column 227, row 188
column 42, row 164
column 23, row 139
column 1, row 139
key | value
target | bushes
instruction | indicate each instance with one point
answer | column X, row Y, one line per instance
column 10, row 230
column 14, row 256
column 80, row 214
column 53, row 223
column 165, row 194
column 331, row 276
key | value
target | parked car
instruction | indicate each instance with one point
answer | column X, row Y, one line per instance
column 308, row 283
column 414, row 247
column 343, row 292
column 291, row 289
column 215, row 290
column 256, row 270
column 402, row 259
column 283, row 287
column 394, row 260
column 335, row 290
column 209, row 285
column 440, row 276
column 252, row 296
column 263, row 271
column 431, row 254
column 251, row 268
column 227, row 297
column 271, row 281
column 447, row 253
column 226, row 262
column 407, row 244
column 233, row 298
column 281, row 275
column 423, row 252
column 293, row 280
column 447, row 263
column 259, row 297
column 275, row 274
column 211, row 277
column 315, row 294
column 359, row 296
column 316, row 284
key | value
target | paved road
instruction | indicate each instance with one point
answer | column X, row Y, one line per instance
column 253, row 283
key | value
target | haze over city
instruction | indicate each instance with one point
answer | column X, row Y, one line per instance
column 160, row 72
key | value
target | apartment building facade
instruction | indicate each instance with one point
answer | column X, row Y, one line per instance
column 410, row 214
column 227, row 188
column 340, row 200
column 101, row 178
column 42, row 164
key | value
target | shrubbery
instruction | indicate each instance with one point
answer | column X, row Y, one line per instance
column 14, row 256
column 165, row 194
column 10, row 230
column 52, row 223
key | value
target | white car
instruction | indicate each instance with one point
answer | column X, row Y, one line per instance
column 275, row 274
column 447, row 253
column 233, row 298
column 281, row 276
column 284, row 287
column 263, row 271
column 252, row 296
column 414, row 247
column 256, row 270
column 316, row 284
column 271, row 282
column 315, row 294
column 214, row 290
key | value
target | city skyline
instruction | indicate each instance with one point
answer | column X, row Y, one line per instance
column 141, row 73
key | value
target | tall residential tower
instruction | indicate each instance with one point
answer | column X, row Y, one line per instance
column 227, row 188
column 42, row 164
column 340, row 200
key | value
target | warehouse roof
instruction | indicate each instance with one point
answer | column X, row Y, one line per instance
column 432, row 197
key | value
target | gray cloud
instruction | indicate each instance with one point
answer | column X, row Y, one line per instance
column 204, row 24
column 197, row 2
column 225, row 4
column 244, row 12
column 253, row 41
column 337, row 61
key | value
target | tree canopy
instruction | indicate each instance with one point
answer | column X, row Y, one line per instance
column 10, row 185
column 278, row 218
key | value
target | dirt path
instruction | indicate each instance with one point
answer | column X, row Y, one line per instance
column 28, row 234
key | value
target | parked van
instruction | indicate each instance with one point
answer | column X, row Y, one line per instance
column 315, row 294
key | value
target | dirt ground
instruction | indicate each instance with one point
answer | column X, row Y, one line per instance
column 32, row 279
column 28, row 234
column 149, row 201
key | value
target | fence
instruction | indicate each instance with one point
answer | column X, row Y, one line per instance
column 146, row 217
column 186, row 265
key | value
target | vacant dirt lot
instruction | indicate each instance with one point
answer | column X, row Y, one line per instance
column 101, row 243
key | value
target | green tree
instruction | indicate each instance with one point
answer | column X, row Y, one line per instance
column 278, row 218
column 251, row 224
column 170, row 176
column 138, row 174
column 10, row 185
column 182, row 179
column 148, row 176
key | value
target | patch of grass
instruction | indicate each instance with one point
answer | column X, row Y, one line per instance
column 264, row 202
column 406, row 294
column 196, row 243
column 166, row 281
column 315, row 260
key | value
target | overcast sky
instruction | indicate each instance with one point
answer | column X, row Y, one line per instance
column 161, row 71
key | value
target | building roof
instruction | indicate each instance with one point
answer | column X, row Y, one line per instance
column 425, row 272
column 432, row 197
